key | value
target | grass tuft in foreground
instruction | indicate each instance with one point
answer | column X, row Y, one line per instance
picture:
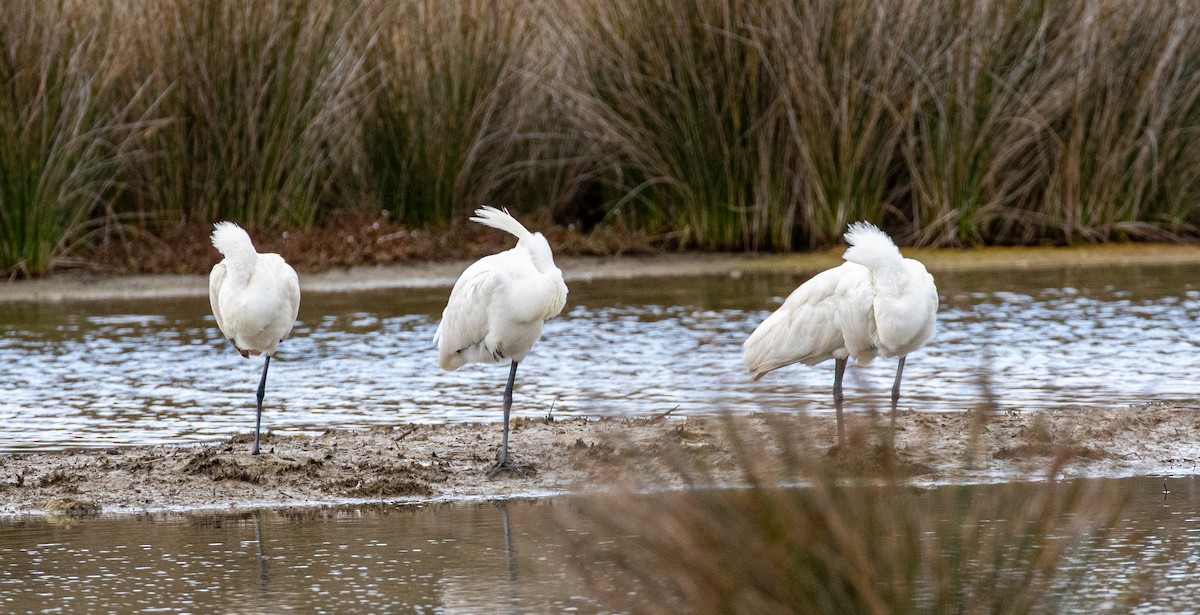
column 810, row 534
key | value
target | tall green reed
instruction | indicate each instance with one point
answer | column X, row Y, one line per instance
column 263, row 104
column 1128, row 158
column 977, row 149
column 846, row 95
column 751, row 124
column 684, row 109
column 1054, row 122
column 65, row 129
column 1015, row 121
column 444, row 81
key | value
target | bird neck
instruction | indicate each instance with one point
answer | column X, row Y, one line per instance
column 239, row 266
column 539, row 252
column 889, row 277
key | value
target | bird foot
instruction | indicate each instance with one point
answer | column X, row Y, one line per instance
column 506, row 466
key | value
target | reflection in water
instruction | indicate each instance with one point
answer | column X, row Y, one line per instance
column 462, row 557
column 510, row 557
column 478, row 557
column 98, row 374
column 1151, row 563
column 264, row 572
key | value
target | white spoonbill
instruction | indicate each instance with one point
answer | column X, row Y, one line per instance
column 497, row 308
column 876, row 303
column 255, row 298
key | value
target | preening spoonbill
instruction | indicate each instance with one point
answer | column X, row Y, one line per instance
column 255, row 298
column 497, row 309
column 876, row 303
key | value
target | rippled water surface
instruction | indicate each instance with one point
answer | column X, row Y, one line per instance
column 98, row 374
column 515, row 556
column 457, row 557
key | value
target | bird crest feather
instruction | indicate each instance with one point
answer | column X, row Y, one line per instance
column 870, row 247
column 500, row 219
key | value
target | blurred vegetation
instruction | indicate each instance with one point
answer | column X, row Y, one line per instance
column 810, row 532
column 724, row 125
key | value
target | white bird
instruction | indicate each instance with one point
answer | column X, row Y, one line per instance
column 254, row 297
column 497, row 308
column 878, row 303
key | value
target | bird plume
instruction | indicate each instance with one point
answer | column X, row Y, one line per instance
column 230, row 239
column 870, row 247
column 500, row 219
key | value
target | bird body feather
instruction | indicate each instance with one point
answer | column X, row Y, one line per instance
column 499, row 304
column 878, row 303
column 255, row 297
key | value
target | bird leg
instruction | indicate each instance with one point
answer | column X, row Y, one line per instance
column 839, row 370
column 896, row 393
column 503, row 464
column 262, row 391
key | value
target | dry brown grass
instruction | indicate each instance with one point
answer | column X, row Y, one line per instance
column 810, row 535
column 348, row 238
column 728, row 124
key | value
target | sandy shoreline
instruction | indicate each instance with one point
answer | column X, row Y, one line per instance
column 95, row 287
column 417, row 463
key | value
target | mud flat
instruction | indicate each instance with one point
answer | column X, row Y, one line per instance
column 416, row 463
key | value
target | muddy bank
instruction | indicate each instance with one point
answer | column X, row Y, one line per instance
column 433, row 274
column 80, row 286
column 449, row 461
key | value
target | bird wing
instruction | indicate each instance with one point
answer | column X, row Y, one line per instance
column 465, row 320
column 558, row 298
column 269, row 305
column 855, row 315
column 215, row 280
column 526, row 295
column 803, row 330
column 291, row 293
column 908, row 320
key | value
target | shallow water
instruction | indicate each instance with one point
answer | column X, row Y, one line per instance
column 374, row 559
column 515, row 556
column 102, row 373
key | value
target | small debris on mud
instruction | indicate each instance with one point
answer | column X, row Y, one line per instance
column 389, row 487
column 67, row 505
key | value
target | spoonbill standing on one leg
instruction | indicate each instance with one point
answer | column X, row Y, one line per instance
column 255, row 298
column 497, row 308
column 877, row 303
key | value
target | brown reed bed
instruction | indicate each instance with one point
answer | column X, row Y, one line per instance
column 727, row 125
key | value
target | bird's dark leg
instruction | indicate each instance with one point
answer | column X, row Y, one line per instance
column 896, row 391
column 503, row 464
column 839, row 370
column 262, row 391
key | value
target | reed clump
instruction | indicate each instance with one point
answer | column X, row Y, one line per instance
column 723, row 124
column 260, row 106
column 687, row 112
column 445, row 82
column 67, row 129
column 806, row 534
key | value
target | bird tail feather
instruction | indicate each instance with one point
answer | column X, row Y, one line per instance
column 231, row 240
column 500, row 219
column 870, row 247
